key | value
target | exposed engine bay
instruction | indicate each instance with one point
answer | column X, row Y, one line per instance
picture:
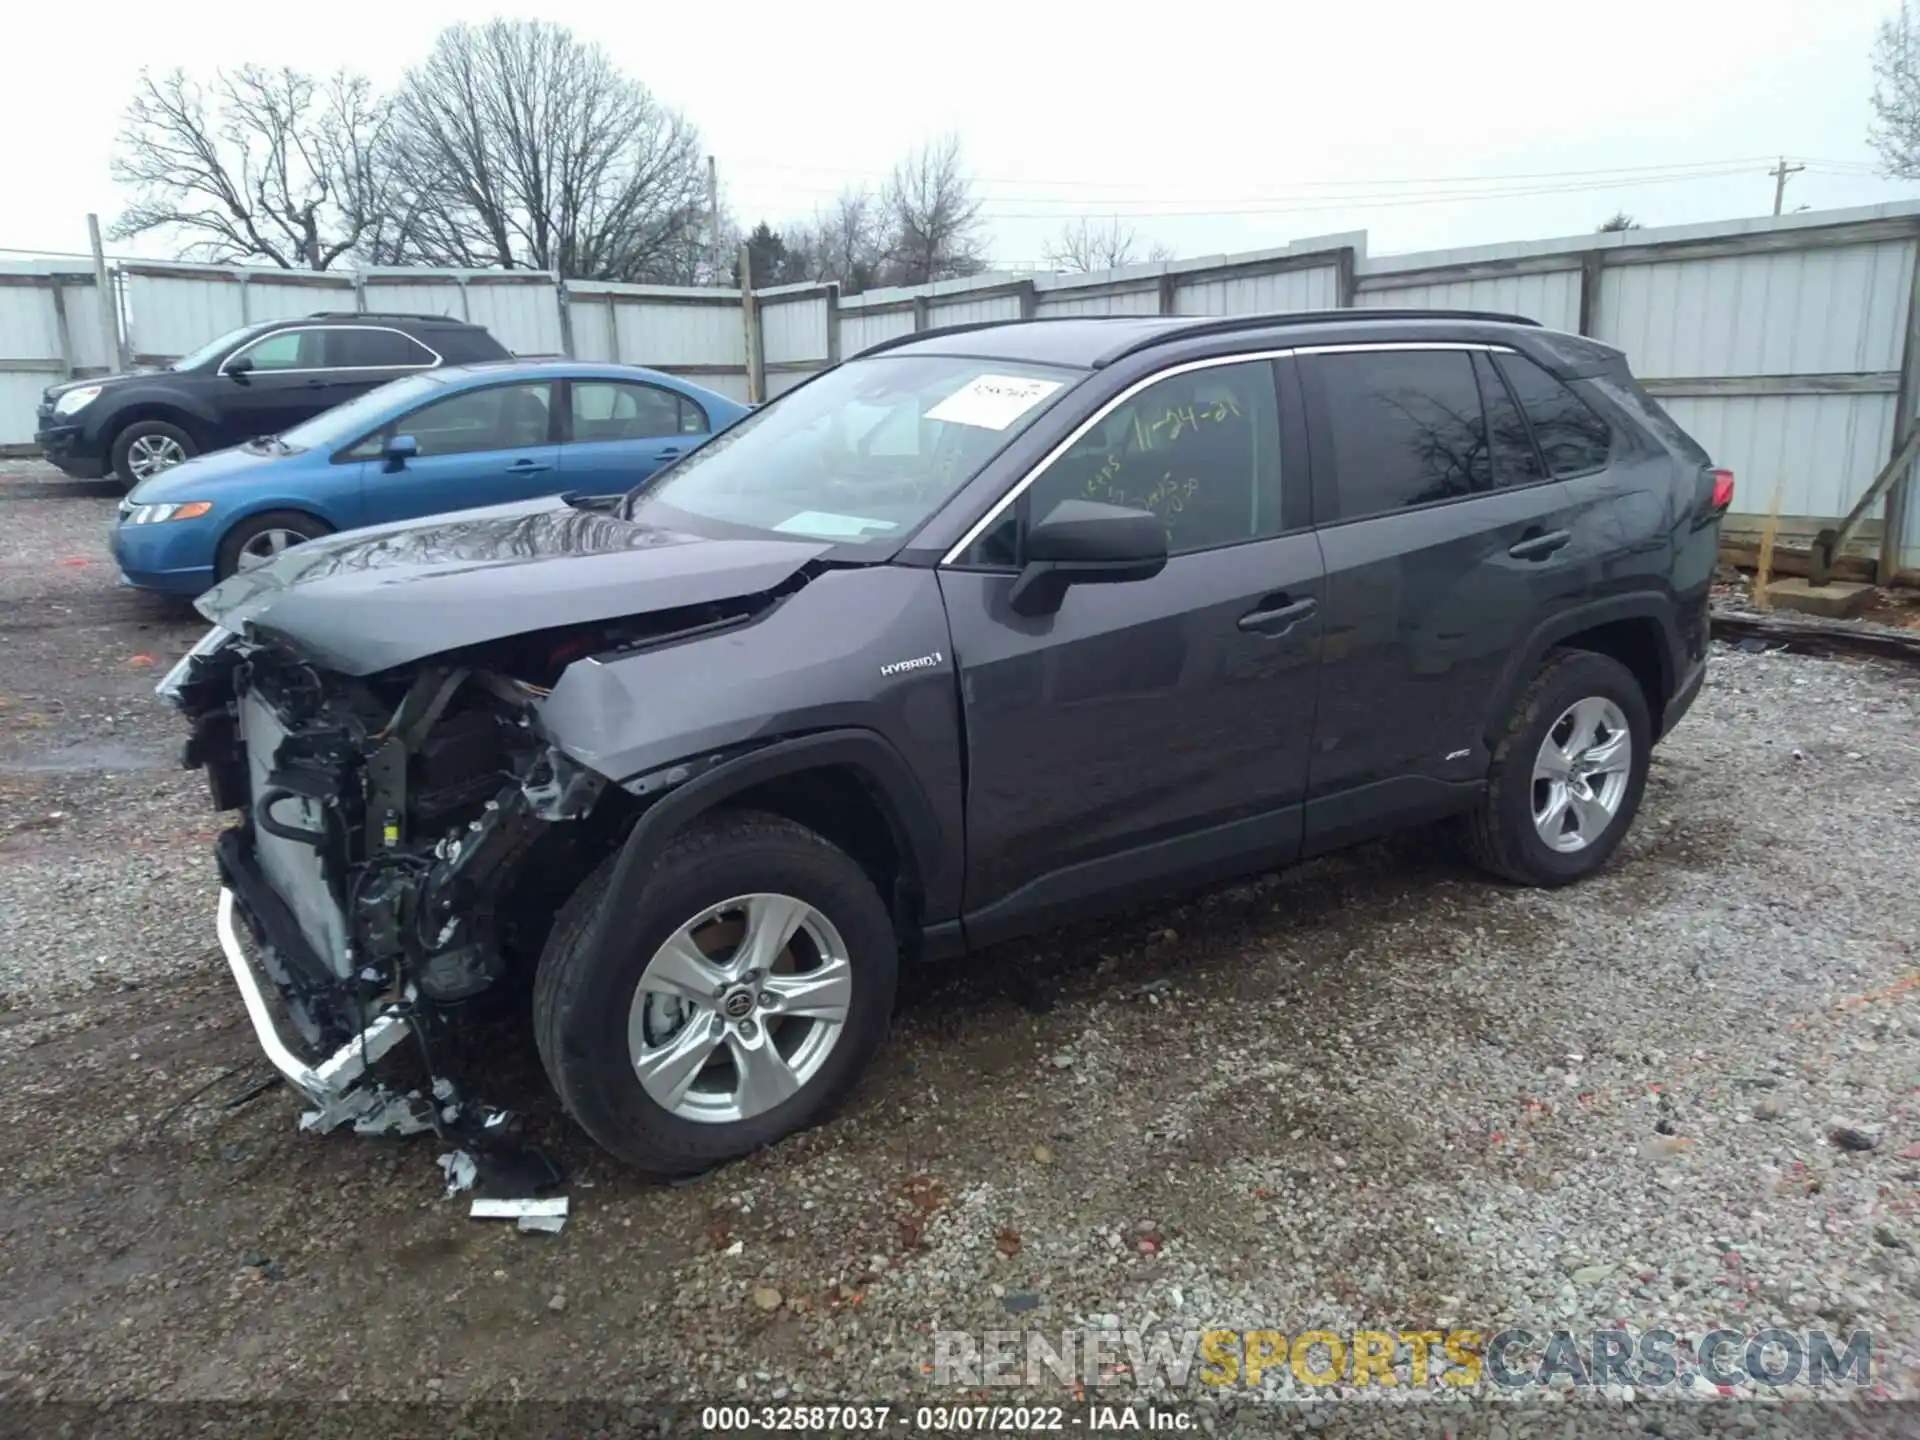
column 404, row 842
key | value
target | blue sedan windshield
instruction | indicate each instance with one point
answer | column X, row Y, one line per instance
column 355, row 418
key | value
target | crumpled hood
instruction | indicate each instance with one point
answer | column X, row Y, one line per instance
column 366, row 600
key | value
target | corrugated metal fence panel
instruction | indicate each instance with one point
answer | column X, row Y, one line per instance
column 1788, row 312
column 1092, row 300
column 1821, row 450
column 793, row 330
column 29, row 324
column 19, row 397
column 170, row 315
column 1313, row 288
column 30, row 342
column 966, row 311
column 522, row 315
column 416, row 296
column 276, row 299
column 82, row 300
column 1552, row 297
column 591, row 321
column 669, row 333
column 778, row 383
column 733, row 384
column 859, row 329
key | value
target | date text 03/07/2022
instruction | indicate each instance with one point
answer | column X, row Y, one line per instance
column 969, row 1419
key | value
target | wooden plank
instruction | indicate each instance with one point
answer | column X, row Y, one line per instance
column 1863, row 382
column 1592, row 264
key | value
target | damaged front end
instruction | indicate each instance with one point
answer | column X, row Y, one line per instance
column 404, row 840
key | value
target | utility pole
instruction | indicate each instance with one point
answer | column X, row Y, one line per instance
column 109, row 303
column 1780, row 173
column 713, row 220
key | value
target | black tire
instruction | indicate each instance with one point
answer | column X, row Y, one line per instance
column 1501, row 836
column 156, row 430
column 297, row 522
column 580, row 1007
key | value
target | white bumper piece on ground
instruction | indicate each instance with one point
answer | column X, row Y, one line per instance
column 334, row 1085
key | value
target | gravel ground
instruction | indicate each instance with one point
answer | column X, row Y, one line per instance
column 1370, row 1092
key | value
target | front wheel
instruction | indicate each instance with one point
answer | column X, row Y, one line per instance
column 261, row 538
column 754, row 982
column 148, row 447
column 1567, row 776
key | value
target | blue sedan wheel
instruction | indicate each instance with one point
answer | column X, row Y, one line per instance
column 262, row 538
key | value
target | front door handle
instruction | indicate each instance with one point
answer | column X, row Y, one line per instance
column 1277, row 615
column 316, row 384
column 667, row 452
column 527, row 467
column 1539, row 546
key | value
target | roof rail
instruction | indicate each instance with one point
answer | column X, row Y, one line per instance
column 1180, row 328
column 379, row 315
column 1228, row 324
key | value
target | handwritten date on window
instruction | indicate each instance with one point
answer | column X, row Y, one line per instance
column 1128, row 475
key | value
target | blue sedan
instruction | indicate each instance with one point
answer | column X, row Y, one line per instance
column 448, row 439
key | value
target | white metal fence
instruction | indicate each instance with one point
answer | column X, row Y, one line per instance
column 1787, row 346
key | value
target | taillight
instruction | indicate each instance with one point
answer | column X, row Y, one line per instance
column 1722, row 488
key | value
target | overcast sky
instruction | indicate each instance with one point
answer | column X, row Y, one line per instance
column 1213, row 127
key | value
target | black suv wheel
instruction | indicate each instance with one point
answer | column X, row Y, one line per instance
column 1567, row 776
column 757, row 983
column 147, row 447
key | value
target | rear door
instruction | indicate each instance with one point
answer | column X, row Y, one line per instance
column 620, row 431
column 1155, row 732
column 485, row 446
column 359, row 357
column 1446, row 542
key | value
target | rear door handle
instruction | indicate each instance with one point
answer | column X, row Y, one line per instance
column 527, row 467
column 1539, row 547
column 667, row 452
column 1277, row 615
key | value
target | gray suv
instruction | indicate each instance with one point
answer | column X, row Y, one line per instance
column 986, row 629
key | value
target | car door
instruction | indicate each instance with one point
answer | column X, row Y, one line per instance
column 489, row 445
column 1446, row 542
column 621, row 431
column 1152, row 733
column 273, row 384
column 360, row 357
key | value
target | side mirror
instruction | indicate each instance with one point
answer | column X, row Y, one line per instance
column 399, row 450
column 237, row 368
column 1082, row 542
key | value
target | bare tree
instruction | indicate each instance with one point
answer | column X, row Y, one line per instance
column 1895, row 130
column 515, row 144
column 1617, row 221
column 932, row 217
column 270, row 164
column 845, row 243
column 1088, row 244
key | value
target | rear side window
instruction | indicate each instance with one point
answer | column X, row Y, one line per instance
column 1406, row 428
column 352, row 348
column 616, row 410
column 1572, row 438
column 1515, row 461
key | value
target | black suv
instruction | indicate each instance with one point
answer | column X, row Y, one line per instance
column 257, row 380
column 987, row 628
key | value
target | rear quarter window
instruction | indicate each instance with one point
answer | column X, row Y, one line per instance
column 1573, row 438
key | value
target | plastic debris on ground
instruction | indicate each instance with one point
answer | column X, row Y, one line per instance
column 535, row 1216
column 460, row 1171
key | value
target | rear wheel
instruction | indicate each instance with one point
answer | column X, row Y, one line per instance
column 147, row 447
column 1567, row 776
column 755, row 982
column 260, row 538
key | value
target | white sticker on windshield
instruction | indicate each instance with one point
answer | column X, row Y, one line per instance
column 824, row 525
column 992, row 402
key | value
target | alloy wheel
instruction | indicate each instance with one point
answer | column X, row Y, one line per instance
column 148, row 455
column 740, row 1008
column 1580, row 775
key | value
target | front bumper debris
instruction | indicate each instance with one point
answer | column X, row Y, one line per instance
column 339, row 1086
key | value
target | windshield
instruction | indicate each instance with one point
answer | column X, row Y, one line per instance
column 213, row 349
column 359, row 415
column 864, row 453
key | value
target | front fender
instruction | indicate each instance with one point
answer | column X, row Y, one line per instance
column 142, row 402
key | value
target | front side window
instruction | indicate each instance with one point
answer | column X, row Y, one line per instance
column 863, row 454
column 1405, row 428
column 287, row 350
column 502, row 417
column 616, row 410
column 1572, row 437
column 1200, row 449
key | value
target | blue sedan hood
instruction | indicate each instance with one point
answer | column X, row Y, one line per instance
column 364, row 601
column 188, row 479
